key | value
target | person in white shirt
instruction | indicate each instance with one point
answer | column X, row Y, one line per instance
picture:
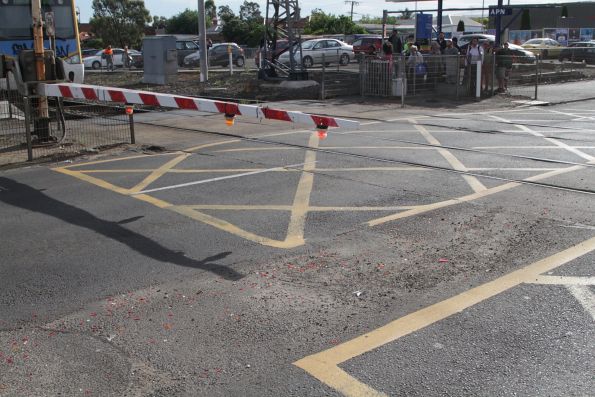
column 474, row 55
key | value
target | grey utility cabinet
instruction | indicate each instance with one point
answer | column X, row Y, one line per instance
column 160, row 60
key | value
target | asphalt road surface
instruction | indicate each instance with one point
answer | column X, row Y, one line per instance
column 432, row 252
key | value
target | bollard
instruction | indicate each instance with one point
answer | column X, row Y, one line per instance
column 478, row 80
column 322, row 93
column 536, row 75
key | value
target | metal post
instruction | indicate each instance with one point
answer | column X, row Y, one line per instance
column 28, row 128
column 403, row 80
column 458, row 75
column 322, row 93
column 230, row 55
column 493, row 72
column 202, row 41
column 42, row 126
column 478, row 80
column 536, row 75
column 131, row 123
column 8, row 94
column 384, row 20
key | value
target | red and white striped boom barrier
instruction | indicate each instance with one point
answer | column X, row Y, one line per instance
column 229, row 109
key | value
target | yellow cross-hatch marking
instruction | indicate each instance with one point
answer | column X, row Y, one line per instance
column 325, row 365
column 300, row 207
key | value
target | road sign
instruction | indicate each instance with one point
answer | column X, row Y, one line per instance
column 423, row 26
column 495, row 11
column 50, row 27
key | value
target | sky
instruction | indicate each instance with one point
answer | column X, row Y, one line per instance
column 169, row 8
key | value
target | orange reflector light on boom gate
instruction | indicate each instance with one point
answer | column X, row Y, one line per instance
column 322, row 131
column 129, row 110
column 230, row 119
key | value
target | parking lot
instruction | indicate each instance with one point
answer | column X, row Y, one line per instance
column 431, row 252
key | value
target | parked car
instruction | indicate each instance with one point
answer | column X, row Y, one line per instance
column 97, row 62
column 466, row 38
column 351, row 38
column 579, row 52
column 334, row 51
column 87, row 52
column 185, row 47
column 367, row 45
column 521, row 55
column 280, row 46
column 548, row 48
column 218, row 56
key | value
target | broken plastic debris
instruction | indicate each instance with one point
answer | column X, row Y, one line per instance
column 443, row 260
column 358, row 293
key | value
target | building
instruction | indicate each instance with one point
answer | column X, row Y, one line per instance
column 449, row 26
column 580, row 15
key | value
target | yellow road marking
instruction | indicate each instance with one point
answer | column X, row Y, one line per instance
column 289, row 208
column 297, row 222
column 144, row 156
column 324, row 365
column 233, row 170
column 159, row 172
column 447, row 203
column 233, row 229
column 475, row 184
column 93, row 180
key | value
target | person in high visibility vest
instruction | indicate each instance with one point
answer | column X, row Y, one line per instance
column 108, row 54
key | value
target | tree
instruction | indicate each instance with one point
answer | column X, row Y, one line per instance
column 120, row 22
column 484, row 21
column 250, row 12
column 461, row 26
column 159, row 22
column 407, row 14
column 377, row 20
column 564, row 12
column 210, row 9
column 186, row 22
column 225, row 13
column 322, row 23
column 526, row 20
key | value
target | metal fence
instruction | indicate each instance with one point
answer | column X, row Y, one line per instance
column 455, row 76
column 67, row 128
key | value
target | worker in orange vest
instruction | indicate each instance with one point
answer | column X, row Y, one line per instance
column 108, row 55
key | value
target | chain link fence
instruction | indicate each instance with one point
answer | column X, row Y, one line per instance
column 31, row 130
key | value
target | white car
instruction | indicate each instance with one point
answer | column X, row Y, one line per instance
column 335, row 51
column 97, row 62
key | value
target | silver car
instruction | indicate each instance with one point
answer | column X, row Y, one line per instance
column 334, row 51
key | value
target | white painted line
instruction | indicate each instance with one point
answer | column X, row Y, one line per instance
column 558, row 143
column 584, row 296
column 218, row 179
column 524, row 128
column 579, row 226
column 371, row 123
column 576, row 117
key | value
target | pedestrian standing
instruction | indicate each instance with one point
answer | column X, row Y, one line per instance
column 451, row 62
column 395, row 40
column 109, row 58
column 441, row 42
column 487, row 67
column 126, row 58
column 503, row 67
column 474, row 55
